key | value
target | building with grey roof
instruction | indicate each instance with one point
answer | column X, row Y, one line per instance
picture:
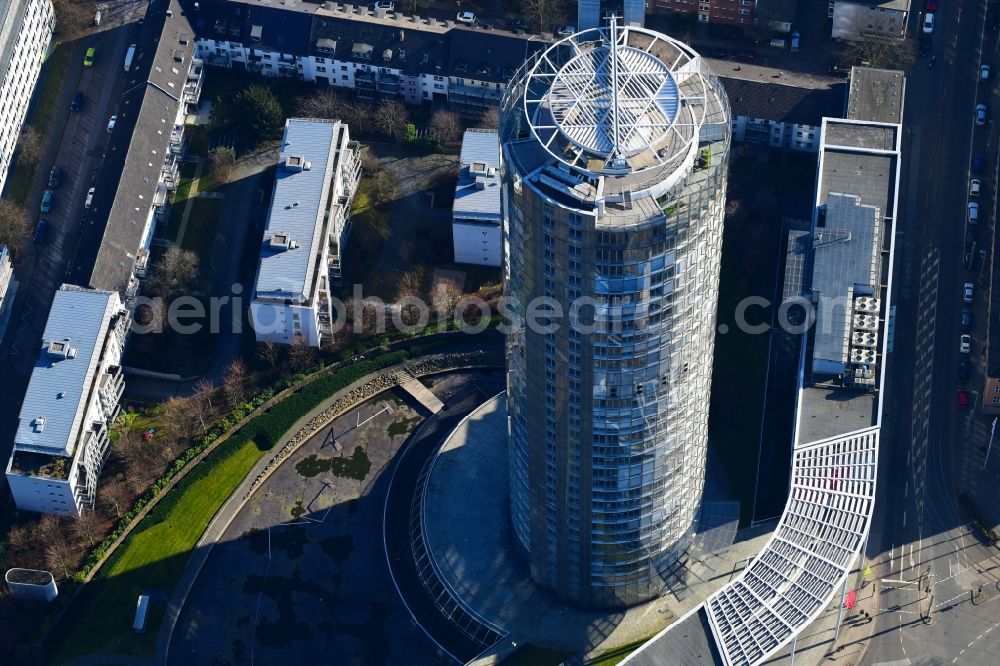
column 307, row 228
column 377, row 54
column 142, row 161
column 876, row 95
column 476, row 223
column 72, row 399
column 25, row 32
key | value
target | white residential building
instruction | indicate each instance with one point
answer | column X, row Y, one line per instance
column 476, row 225
column 72, row 399
column 25, row 31
column 861, row 19
column 307, row 228
column 379, row 55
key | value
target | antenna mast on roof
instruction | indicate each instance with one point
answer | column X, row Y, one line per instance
column 613, row 20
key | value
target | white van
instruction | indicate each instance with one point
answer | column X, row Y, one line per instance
column 777, row 43
column 128, row 57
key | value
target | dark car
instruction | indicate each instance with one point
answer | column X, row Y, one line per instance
column 41, row 231
column 745, row 56
column 95, row 175
column 966, row 320
column 926, row 44
column 963, row 368
column 55, row 176
column 932, row 5
column 977, row 163
column 77, row 103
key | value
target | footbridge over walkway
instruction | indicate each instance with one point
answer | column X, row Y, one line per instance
column 419, row 392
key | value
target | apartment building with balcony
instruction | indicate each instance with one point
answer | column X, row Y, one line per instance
column 25, row 32
column 72, row 399
column 379, row 55
column 142, row 160
column 476, row 223
column 307, row 229
column 733, row 12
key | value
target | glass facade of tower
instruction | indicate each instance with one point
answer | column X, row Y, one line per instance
column 613, row 196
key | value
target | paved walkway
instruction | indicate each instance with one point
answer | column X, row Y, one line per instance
column 420, row 393
column 466, row 518
column 192, row 193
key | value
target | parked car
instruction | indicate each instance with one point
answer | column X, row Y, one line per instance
column 90, row 198
column 95, row 175
column 384, row 5
column 973, row 212
column 967, row 292
column 980, row 114
column 965, row 343
column 55, row 176
column 47, row 201
column 466, row 17
column 928, row 23
column 745, row 56
column 565, row 30
column 974, row 187
column 931, row 5
column 926, row 44
column 795, row 42
column 41, row 231
column 111, row 123
column 77, row 102
column 984, row 73
column 88, row 58
column 966, row 320
column 963, row 398
column 963, row 368
column 977, row 163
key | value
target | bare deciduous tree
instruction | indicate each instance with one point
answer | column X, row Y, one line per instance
column 201, row 403
column 234, row 384
column 179, row 417
column 13, row 226
column 301, row 355
column 113, row 496
column 221, row 162
column 329, row 103
column 445, row 126
column 19, row 536
column 269, row 352
column 174, row 274
column 490, row 118
column 446, row 297
column 29, row 146
column 391, row 117
column 544, row 12
column 49, row 529
column 879, row 44
column 87, row 527
column 58, row 557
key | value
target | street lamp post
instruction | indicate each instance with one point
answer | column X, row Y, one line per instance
column 993, row 432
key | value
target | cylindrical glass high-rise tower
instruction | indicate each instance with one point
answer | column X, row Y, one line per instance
column 615, row 144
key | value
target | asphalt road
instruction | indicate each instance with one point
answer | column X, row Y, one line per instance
column 930, row 562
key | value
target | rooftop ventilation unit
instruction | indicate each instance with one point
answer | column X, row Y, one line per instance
column 279, row 242
column 865, row 322
column 60, row 349
column 307, row 166
column 294, row 163
column 868, row 304
column 478, row 169
column 38, row 423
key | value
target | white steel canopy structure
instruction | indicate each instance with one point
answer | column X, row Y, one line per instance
column 617, row 100
column 822, row 529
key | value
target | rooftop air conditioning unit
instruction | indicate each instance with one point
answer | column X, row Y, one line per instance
column 38, row 423
column 60, row 349
column 306, row 166
column 294, row 163
column 280, row 242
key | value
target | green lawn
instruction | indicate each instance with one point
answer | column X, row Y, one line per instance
column 46, row 106
column 153, row 558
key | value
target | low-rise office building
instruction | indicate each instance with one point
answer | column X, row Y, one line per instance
column 72, row 399
column 307, row 228
column 142, row 162
column 476, row 225
column 25, row 32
